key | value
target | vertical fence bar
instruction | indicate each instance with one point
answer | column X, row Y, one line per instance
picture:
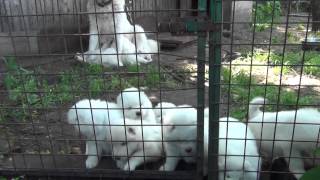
column 202, row 36
column 214, row 89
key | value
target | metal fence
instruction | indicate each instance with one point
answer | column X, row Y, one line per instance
column 216, row 54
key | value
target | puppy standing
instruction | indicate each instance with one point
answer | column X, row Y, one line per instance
column 287, row 133
column 136, row 105
column 240, row 140
column 93, row 119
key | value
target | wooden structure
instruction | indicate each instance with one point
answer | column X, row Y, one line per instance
column 54, row 24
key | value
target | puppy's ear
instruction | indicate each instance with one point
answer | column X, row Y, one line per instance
column 131, row 130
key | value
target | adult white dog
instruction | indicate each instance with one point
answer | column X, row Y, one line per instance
column 292, row 134
column 136, row 105
column 111, row 33
column 240, row 160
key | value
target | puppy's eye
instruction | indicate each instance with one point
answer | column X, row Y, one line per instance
column 123, row 143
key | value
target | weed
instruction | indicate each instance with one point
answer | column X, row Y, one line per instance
column 275, row 40
column 263, row 14
column 292, row 38
column 153, row 77
column 301, row 27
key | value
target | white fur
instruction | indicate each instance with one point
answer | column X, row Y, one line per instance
column 109, row 56
column 236, row 167
column 143, row 145
column 104, row 24
column 242, row 160
column 161, row 109
column 136, row 105
column 206, row 112
column 278, row 134
column 92, row 118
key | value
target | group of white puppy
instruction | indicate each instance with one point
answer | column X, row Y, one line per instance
column 134, row 132
column 114, row 41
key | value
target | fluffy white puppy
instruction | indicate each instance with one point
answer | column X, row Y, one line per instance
column 136, row 105
column 292, row 134
column 143, row 144
column 145, row 47
column 240, row 142
column 179, row 129
column 93, row 119
column 110, row 57
column 239, row 158
column 161, row 109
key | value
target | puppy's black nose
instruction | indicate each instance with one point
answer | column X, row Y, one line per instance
column 188, row 150
column 138, row 113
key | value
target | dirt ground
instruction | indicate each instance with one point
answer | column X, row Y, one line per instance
column 22, row 142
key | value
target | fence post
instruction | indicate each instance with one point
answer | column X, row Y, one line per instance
column 202, row 36
column 214, row 88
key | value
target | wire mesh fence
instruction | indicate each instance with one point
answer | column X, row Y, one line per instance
column 122, row 89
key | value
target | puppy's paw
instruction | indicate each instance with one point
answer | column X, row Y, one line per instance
column 92, row 162
column 126, row 167
column 161, row 168
column 79, row 57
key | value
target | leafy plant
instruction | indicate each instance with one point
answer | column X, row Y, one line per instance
column 262, row 14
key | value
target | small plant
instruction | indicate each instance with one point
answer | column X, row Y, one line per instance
column 263, row 13
column 301, row 27
column 292, row 38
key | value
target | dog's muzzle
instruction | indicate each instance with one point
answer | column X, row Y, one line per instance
column 103, row 3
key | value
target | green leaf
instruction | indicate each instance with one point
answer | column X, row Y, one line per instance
column 312, row 174
column 317, row 152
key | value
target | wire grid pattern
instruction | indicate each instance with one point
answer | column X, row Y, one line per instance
column 35, row 149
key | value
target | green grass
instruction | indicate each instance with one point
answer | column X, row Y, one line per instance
column 239, row 91
column 29, row 91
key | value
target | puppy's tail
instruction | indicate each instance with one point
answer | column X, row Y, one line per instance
column 254, row 107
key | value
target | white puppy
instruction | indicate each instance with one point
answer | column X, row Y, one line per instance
column 136, row 105
column 92, row 118
column 161, row 109
column 143, row 145
column 285, row 133
column 179, row 129
column 109, row 56
column 237, row 165
column 239, row 158
column 145, row 47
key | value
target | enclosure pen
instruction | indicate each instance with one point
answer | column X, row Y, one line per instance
column 159, row 89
